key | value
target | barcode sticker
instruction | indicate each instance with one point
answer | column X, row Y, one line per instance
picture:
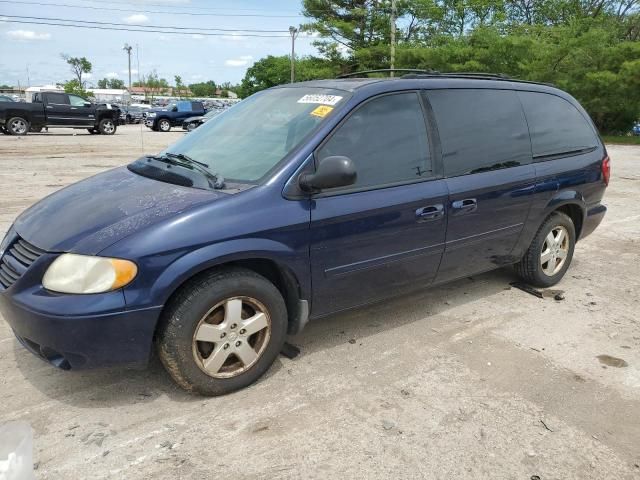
column 320, row 99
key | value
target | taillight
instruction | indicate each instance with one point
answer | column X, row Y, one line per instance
column 606, row 169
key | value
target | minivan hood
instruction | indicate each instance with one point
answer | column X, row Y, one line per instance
column 90, row 215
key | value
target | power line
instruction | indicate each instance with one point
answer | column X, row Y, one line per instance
column 96, row 27
column 145, row 26
column 195, row 14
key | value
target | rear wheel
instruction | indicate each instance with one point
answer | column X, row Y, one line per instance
column 164, row 125
column 107, row 126
column 17, row 126
column 550, row 253
column 222, row 332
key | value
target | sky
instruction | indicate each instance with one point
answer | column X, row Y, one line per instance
column 30, row 54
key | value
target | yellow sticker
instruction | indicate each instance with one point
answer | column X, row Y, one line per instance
column 321, row 111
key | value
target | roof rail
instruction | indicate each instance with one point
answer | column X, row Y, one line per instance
column 388, row 70
column 478, row 75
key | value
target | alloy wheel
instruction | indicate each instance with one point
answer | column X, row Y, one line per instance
column 555, row 250
column 231, row 337
column 18, row 126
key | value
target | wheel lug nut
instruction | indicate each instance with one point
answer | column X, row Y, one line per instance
column 234, row 325
column 226, row 345
column 223, row 334
column 243, row 331
column 238, row 344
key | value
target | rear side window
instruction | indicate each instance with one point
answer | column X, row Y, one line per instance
column 196, row 106
column 184, row 106
column 387, row 140
column 480, row 130
column 57, row 99
column 556, row 126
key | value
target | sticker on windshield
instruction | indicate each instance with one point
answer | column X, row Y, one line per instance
column 321, row 111
column 322, row 99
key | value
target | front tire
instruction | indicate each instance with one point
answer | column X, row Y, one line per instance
column 107, row 126
column 222, row 331
column 550, row 253
column 17, row 126
column 164, row 125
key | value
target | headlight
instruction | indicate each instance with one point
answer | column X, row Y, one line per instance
column 151, row 114
column 71, row 273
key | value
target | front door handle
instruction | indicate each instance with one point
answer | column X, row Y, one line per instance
column 432, row 212
column 467, row 205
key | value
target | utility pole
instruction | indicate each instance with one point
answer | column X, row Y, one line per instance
column 393, row 35
column 128, row 49
column 293, row 31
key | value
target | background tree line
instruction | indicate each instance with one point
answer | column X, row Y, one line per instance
column 591, row 48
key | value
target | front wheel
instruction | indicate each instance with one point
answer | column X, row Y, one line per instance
column 164, row 125
column 549, row 255
column 17, row 126
column 107, row 126
column 222, row 332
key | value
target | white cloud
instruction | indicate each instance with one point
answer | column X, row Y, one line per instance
column 136, row 18
column 112, row 75
column 197, row 76
column 87, row 76
column 126, row 72
column 235, row 36
column 197, row 36
column 27, row 35
column 238, row 62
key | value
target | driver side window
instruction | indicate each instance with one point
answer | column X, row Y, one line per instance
column 386, row 138
column 76, row 101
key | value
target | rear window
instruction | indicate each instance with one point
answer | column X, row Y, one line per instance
column 557, row 127
column 480, row 130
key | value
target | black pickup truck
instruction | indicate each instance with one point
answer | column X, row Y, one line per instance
column 57, row 110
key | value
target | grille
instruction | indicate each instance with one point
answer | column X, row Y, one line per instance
column 16, row 260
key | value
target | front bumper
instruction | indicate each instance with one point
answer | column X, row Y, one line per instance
column 83, row 341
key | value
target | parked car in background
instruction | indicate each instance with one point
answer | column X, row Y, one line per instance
column 58, row 110
column 131, row 114
column 302, row 201
column 636, row 129
column 162, row 119
column 192, row 123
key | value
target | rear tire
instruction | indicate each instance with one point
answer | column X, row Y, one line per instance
column 107, row 126
column 222, row 331
column 550, row 253
column 17, row 126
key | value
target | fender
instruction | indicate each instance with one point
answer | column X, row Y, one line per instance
column 538, row 214
column 182, row 268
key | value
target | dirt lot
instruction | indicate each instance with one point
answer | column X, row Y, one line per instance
column 469, row 380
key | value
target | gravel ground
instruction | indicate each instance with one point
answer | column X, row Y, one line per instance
column 468, row 380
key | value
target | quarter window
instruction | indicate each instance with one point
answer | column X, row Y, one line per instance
column 57, row 99
column 386, row 138
column 480, row 130
column 556, row 126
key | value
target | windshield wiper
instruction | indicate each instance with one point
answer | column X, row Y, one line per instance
column 186, row 158
column 215, row 181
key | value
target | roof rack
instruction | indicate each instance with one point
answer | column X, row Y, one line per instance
column 388, row 70
column 477, row 75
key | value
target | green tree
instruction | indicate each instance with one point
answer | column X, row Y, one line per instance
column 203, row 89
column 74, row 87
column 271, row 71
column 114, row 83
column 79, row 66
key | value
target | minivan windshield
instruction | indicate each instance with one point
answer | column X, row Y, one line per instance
column 246, row 141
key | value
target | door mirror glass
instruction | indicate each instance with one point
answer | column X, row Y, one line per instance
column 87, row 104
column 332, row 172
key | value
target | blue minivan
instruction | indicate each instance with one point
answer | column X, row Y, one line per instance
column 301, row 201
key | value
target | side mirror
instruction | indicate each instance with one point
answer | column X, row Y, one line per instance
column 332, row 172
column 87, row 104
column 174, row 109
